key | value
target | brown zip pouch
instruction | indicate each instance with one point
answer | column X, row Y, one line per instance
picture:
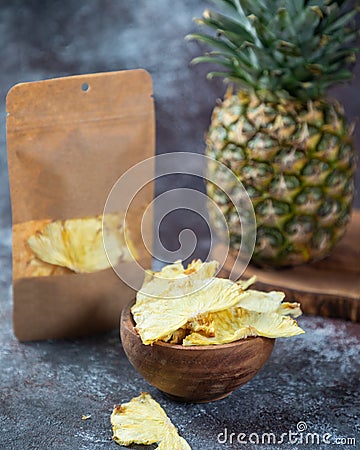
column 69, row 140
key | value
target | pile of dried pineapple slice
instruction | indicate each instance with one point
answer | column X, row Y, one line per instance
column 143, row 421
column 192, row 307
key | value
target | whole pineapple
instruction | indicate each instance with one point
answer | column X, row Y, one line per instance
column 290, row 147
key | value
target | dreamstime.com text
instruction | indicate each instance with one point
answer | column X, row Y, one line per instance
column 300, row 436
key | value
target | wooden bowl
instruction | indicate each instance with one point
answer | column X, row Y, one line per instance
column 196, row 373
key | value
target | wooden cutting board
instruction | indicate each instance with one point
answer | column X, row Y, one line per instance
column 330, row 287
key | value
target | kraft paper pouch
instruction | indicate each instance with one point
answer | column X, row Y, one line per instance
column 68, row 142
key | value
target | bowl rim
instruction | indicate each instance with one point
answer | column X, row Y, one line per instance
column 177, row 347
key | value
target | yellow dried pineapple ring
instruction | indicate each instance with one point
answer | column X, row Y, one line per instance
column 159, row 318
column 219, row 311
column 226, row 329
column 238, row 323
column 143, row 421
column 258, row 301
column 176, row 281
column 78, row 243
column 290, row 309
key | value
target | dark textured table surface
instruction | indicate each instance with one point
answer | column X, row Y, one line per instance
column 46, row 387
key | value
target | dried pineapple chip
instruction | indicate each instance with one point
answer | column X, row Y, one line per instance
column 176, row 281
column 273, row 325
column 290, row 309
column 178, row 336
column 226, row 327
column 216, row 311
column 159, row 318
column 258, row 301
column 268, row 302
column 143, row 421
column 244, row 284
column 25, row 263
column 238, row 323
column 78, row 243
column 203, row 324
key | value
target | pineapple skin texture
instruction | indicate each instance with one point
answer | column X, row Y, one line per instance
column 296, row 161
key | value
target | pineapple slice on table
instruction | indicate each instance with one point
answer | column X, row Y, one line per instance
column 143, row 421
column 287, row 143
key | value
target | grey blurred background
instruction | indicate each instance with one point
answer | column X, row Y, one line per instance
column 51, row 38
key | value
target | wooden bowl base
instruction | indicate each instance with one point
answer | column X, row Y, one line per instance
column 186, row 400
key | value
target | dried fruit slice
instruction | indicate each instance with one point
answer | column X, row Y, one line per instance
column 290, row 309
column 143, row 421
column 203, row 324
column 25, row 263
column 173, row 442
column 159, row 318
column 176, row 281
column 238, row 323
column 178, row 336
column 259, row 301
column 268, row 302
column 216, row 311
column 78, row 243
column 244, row 284
column 227, row 329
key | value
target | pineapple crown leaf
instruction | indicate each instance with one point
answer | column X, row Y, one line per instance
column 300, row 47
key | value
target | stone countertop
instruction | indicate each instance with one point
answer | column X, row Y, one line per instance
column 310, row 381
